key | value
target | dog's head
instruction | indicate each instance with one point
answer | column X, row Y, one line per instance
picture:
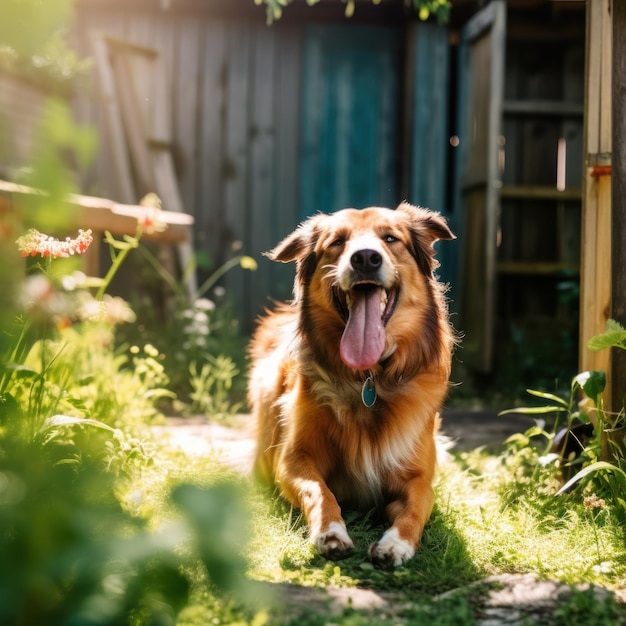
column 365, row 274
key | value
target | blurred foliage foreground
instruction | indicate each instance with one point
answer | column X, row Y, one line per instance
column 96, row 526
column 78, row 544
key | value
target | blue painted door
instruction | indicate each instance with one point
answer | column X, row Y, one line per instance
column 350, row 117
column 428, row 134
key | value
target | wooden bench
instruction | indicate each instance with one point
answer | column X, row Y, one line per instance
column 100, row 215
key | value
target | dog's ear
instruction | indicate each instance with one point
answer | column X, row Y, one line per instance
column 432, row 224
column 426, row 228
column 298, row 244
column 299, row 247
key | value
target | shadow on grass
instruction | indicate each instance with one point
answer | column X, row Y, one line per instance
column 441, row 563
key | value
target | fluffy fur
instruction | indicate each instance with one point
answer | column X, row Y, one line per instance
column 317, row 440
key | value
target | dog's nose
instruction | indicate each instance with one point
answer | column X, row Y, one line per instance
column 366, row 260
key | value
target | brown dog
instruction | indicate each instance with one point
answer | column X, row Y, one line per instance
column 347, row 380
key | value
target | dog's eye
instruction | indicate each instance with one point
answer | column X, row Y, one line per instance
column 338, row 242
column 390, row 238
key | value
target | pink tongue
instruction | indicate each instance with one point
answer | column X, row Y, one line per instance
column 363, row 340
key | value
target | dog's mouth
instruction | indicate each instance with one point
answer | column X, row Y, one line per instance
column 366, row 309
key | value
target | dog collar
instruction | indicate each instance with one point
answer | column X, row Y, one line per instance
column 368, row 391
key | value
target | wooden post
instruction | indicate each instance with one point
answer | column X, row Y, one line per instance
column 618, row 190
column 595, row 274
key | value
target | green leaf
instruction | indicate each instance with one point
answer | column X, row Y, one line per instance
column 615, row 339
column 22, row 370
column 547, row 396
column 592, row 383
column 67, row 420
column 594, row 467
column 535, row 410
column 536, row 431
column 613, row 325
column 614, row 336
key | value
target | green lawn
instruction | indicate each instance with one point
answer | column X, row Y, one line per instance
column 494, row 514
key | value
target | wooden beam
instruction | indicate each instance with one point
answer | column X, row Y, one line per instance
column 102, row 214
column 595, row 278
column 528, row 192
column 618, row 189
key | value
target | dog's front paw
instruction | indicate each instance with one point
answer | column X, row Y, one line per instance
column 391, row 550
column 335, row 543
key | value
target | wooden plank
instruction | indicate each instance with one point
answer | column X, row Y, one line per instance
column 428, row 106
column 340, row 104
column 187, row 84
column 141, row 31
column 593, row 304
column 103, row 174
column 389, row 122
column 210, row 179
column 134, row 120
column 531, row 192
column 312, row 114
column 166, row 182
column 131, row 47
column 572, row 130
column 536, row 108
column 260, row 235
column 595, row 297
column 427, row 124
column 237, row 194
column 618, row 194
column 571, row 158
column 285, row 213
column 113, row 119
column 538, row 269
column 481, row 91
column 606, row 89
column 593, row 75
column 481, row 22
column 600, row 258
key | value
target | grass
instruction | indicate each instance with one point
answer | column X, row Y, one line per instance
column 184, row 519
column 494, row 514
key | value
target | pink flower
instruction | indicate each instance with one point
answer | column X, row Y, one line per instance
column 34, row 243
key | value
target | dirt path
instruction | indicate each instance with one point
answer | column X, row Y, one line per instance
column 233, row 444
column 467, row 428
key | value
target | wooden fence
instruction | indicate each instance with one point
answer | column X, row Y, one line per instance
column 235, row 99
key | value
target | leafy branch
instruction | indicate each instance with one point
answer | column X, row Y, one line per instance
column 614, row 336
column 424, row 8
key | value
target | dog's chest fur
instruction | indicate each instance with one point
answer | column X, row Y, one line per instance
column 366, row 445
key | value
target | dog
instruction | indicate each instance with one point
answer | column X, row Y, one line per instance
column 347, row 381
